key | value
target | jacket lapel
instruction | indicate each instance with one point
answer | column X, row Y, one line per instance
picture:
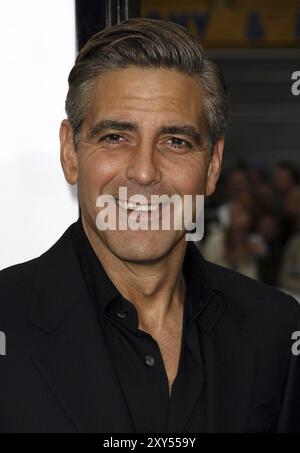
column 71, row 354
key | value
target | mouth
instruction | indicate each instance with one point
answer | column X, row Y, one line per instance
column 138, row 207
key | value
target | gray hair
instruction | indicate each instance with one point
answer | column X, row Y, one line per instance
column 146, row 43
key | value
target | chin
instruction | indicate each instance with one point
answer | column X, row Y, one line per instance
column 140, row 246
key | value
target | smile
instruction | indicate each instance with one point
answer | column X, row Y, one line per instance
column 138, row 207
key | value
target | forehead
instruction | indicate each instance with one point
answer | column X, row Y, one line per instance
column 147, row 95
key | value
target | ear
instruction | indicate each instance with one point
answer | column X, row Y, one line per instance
column 68, row 153
column 214, row 168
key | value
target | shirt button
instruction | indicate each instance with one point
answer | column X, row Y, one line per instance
column 122, row 313
column 150, row 361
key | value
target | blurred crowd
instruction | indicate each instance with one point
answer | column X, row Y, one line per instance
column 252, row 223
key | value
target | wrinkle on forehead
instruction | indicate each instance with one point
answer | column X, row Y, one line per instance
column 146, row 91
column 146, row 84
column 147, row 105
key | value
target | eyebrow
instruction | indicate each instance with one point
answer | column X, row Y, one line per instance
column 104, row 125
column 174, row 129
column 183, row 129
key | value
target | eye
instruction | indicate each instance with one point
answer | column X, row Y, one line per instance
column 178, row 143
column 112, row 139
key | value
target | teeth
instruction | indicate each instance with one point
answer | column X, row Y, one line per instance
column 137, row 207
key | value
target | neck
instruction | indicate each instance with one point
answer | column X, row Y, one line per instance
column 156, row 289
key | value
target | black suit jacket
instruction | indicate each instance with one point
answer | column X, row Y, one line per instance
column 57, row 375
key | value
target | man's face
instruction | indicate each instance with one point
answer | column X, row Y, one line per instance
column 145, row 130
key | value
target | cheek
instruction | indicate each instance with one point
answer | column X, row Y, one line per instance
column 191, row 179
column 95, row 174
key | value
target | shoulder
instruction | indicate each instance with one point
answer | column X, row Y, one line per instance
column 16, row 289
column 17, row 277
column 17, row 282
column 260, row 301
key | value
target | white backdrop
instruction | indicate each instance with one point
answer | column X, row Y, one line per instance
column 37, row 51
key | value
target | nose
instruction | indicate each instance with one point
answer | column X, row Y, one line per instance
column 143, row 167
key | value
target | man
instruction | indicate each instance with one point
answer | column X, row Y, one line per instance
column 131, row 330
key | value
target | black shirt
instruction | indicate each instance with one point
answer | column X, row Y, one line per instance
column 136, row 355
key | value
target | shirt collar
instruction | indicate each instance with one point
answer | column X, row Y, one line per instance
column 199, row 285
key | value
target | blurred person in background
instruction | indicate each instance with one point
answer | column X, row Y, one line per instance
column 268, row 263
column 272, row 200
column 234, row 245
column 285, row 178
column 236, row 184
column 290, row 271
column 285, row 182
column 290, row 214
column 256, row 172
column 266, row 198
